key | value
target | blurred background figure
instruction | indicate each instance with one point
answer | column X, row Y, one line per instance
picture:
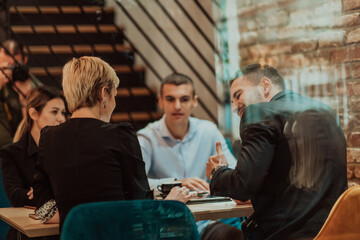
column 15, row 85
column 45, row 107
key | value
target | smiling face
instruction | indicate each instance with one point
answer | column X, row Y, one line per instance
column 244, row 93
column 177, row 103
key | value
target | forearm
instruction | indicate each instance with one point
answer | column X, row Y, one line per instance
column 229, row 182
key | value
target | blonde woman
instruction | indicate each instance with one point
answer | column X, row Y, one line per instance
column 88, row 159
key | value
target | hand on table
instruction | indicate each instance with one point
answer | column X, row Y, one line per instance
column 238, row 202
column 195, row 184
column 216, row 160
column 179, row 194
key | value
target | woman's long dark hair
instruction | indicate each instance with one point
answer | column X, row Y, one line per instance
column 37, row 99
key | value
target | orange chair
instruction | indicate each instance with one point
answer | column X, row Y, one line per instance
column 343, row 222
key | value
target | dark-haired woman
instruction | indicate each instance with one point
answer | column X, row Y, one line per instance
column 45, row 107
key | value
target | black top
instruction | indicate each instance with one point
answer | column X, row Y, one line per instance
column 87, row 160
column 292, row 165
column 17, row 166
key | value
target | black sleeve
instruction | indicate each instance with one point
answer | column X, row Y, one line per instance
column 136, row 185
column 42, row 187
column 12, row 179
column 259, row 138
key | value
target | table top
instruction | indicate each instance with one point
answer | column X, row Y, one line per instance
column 217, row 210
column 20, row 220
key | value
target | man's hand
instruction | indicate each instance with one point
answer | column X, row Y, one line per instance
column 214, row 161
column 195, row 184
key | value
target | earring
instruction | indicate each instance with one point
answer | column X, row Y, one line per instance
column 103, row 102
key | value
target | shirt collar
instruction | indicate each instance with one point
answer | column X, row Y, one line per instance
column 165, row 133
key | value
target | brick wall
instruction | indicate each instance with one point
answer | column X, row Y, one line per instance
column 316, row 47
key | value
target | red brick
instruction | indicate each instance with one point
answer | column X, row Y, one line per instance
column 331, row 38
column 277, row 19
column 247, row 25
column 348, row 54
column 350, row 172
column 259, row 51
column 353, row 36
column 247, row 38
column 320, row 90
column 357, row 171
column 280, row 48
column 351, row 4
column 295, row 61
column 295, row 32
column 347, row 20
column 244, row 53
column 304, row 45
column 353, row 155
column 252, row 10
column 355, row 70
column 343, row 71
column 349, row 89
column 268, row 35
column 354, row 140
column 355, row 105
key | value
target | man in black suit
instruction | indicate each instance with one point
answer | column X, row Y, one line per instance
column 292, row 164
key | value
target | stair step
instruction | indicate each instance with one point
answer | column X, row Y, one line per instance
column 45, row 15
column 82, row 49
column 87, row 34
column 134, row 91
column 43, row 56
column 135, row 116
column 58, row 9
column 56, row 3
column 57, row 71
column 89, row 28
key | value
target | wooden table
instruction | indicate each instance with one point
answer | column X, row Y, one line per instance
column 20, row 220
column 216, row 210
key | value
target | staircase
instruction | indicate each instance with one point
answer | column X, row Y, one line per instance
column 56, row 31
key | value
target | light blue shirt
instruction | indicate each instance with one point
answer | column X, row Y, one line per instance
column 167, row 158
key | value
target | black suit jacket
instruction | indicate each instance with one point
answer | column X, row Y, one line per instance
column 87, row 160
column 17, row 166
column 292, row 165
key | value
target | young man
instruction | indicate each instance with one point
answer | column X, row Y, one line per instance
column 292, row 163
column 177, row 146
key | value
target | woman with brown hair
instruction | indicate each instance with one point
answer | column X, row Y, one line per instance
column 45, row 106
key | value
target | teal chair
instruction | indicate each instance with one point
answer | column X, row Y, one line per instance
column 138, row 219
column 4, row 202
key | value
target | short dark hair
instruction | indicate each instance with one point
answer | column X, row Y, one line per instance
column 255, row 72
column 177, row 79
column 13, row 47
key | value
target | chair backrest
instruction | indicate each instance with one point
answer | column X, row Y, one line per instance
column 4, row 202
column 138, row 219
column 343, row 221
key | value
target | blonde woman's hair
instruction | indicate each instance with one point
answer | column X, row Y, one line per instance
column 83, row 79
